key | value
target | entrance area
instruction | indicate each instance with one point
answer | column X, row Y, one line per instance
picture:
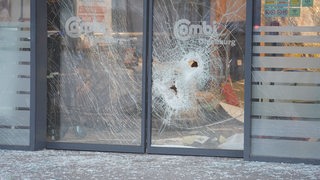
column 155, row 75
column 162, row 76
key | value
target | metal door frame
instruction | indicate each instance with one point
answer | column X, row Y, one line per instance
column 39, row 92
column 110, row 147
column 38, row 110
column 190, row 151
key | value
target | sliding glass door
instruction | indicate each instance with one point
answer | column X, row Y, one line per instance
column 197, row 75
column 95, row 72
column 191, row 95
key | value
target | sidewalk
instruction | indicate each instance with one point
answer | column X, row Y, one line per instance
column 54, row 164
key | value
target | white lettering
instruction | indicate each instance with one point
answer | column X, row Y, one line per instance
column 184, row 30
column 75, row 27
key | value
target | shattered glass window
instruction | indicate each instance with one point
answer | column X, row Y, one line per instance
column 95, row 71
column 198, row 73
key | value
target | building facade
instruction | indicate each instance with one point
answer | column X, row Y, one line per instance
column 202, row 77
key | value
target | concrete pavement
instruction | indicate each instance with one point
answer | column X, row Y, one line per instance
column 58, row 164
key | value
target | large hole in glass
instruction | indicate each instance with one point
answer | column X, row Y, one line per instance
column 193, row 63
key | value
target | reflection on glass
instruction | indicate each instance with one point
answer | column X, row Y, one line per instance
column 197, row 74
column 14, row 72
column 95, row 69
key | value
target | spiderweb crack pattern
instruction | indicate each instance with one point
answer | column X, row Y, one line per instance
column 189, row 70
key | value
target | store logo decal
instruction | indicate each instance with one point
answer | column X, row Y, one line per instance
column 184, row 30
column 75, row 27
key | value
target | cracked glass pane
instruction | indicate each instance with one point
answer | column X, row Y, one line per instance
column 197, row 73
column 95, row 71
